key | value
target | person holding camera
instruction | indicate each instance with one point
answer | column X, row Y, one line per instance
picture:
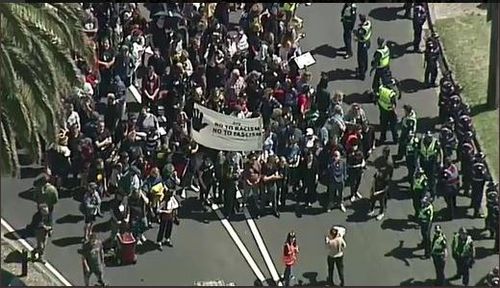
column 168, row 216
column 336, row 244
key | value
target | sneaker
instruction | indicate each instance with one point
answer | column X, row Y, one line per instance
column 353, row 198
column 347, row 56
column 194, row 188
column 139, row 242
column 169, row 243
column 308, row 4
column 329, row 210
column 159, row 246
column 342, row 208
column 143, row 238
column 309, row 205
column 359, row 195
column 371, row 213
column 380, row 216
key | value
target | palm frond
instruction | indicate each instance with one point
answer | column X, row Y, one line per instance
column 5, row 151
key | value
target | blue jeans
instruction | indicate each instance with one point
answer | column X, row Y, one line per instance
column 287, row 275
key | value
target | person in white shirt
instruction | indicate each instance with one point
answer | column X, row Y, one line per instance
column 336, row 244
column 168, row 215
column 73, row 117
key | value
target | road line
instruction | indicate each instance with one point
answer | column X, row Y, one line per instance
column 243, row 249
column 263, row 249
column 28, row 247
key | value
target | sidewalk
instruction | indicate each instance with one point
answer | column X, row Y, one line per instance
column 38, row 275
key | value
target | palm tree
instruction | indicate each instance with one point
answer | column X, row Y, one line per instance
column 36, row 72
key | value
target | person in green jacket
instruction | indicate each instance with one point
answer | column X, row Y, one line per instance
column 425, row 217
column 46, row 194
column 463, row 252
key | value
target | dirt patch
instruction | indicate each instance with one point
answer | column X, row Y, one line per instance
column 449, row 10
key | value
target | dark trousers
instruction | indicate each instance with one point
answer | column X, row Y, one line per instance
column 339, row 262
column 165, row 230
column 497, row 239
column 415, row 200
column 271, row 194
column 380, row 73
column 417, row 35
column 230, row 199
column 310, row 191
column 407, row 6
column 335, row 194
column 348, row 38
column 205, row 191
column 439, row 263
column 403, row 140
column 477, row 195
column 363, row 48
column 425, row 232
column 282, row 192
column 430, row 73
column 451, row 200
column 429, row 167
column 463, row 266
column 381, row 198
column 411, row 164
column 388, row 120
column 355, row 178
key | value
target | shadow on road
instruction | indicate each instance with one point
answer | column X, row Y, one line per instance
column 360, row 98
column 14, row 257
column 427, row 124
column 30, row 172
column 341, row 74
column 360, row 209
column 8, row 279
column 413, row 282
column 312, row 280
column 398, row 225
column 325, row 50
column 69, row 219
column 483, row 252
column 402, row 253
column 398, row 50
column 191, row 208
column 68, row 241
column 478, row 109
column 411, row 85
column 386, row 13
column 442, row 215
column 146, row 247
column 27, row 194
column 102, row 227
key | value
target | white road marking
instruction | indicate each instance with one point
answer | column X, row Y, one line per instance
column 263, row 249
column 229, row 228
column 28, row 247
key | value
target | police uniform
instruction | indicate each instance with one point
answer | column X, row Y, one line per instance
column 425, row 217
column 445, row 92
column 448, row 141
column 419, row 187
column 463, row 253
column 348, row 20
column 381, row 61
column 431, row 56
column 419, row 17
column 438, row 252
column 408, row 125
column 388, row 118
column 479, row 177
column 363, row 34
column 412, row 146
column 491, row 205
column 451, row 183
column 428, row 158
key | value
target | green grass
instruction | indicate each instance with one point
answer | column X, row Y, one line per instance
column 466, row 41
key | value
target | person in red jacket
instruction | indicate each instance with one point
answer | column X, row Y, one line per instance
column 290, row 253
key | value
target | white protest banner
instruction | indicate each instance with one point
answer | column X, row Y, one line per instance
column 227, row 133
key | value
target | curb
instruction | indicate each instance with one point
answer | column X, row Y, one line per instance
column 19, row 244
column 444, row 67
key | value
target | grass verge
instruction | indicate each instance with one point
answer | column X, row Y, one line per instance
column 466, row 41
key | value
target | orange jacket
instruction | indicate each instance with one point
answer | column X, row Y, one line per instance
column 290, row 254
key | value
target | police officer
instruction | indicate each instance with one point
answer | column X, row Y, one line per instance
column 463, row 252
column 412, row 146
column 439, row 253
column 446, row 89
column 419, row 17
column 408, row 125
column 429, row 158
column 431, row 56
column 380, row 63
column 448, row 141
column 479, row 178
column 451, row 184
column 466, row 155
column 42, row 231
column 363, row 35
column 425, row 217
column 419, row 187
column 407, row 7
column 491, row 203
column 348, row 20
column 386, row 99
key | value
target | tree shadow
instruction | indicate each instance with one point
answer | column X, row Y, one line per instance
column 70, row 219
column 27, row 194
column 14, row 257
column 9, row 279
column 102, row 227
column 402, row 253
column 386, row 13
column 341, row 74
column 191, row 208
column 400, row 193
column 360, row 208
column 325, row 50
column 482, row 252
column 312, row 278
column 425, row 124
column 23, row 233
column 30, row 172
column 398, row 225
column 480, row 108
column 398, row 50
column 411, row 85
column 413, row 282
column 68, row 241
column 360, row 98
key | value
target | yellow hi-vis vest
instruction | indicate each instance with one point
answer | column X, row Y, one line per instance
column 410, row 118
column 385, row 96
column 418, row 185
column 289, row 7
column 367, row 26
column 429, row 151
column 384, row 57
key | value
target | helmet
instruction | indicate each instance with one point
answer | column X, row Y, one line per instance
column 462, row 230
column 419, row 171
column 437, row 228
column 426, row 200
column 380, row 41
column 428, row 134
column 479, row 155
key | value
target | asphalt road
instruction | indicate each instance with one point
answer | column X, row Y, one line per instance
column 378, row 253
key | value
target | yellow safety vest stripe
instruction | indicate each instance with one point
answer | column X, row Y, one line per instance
column 385, row 98
column 428, row 151
column 367, row 26
column 384, row 57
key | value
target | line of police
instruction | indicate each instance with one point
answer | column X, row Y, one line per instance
column 428, row 160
